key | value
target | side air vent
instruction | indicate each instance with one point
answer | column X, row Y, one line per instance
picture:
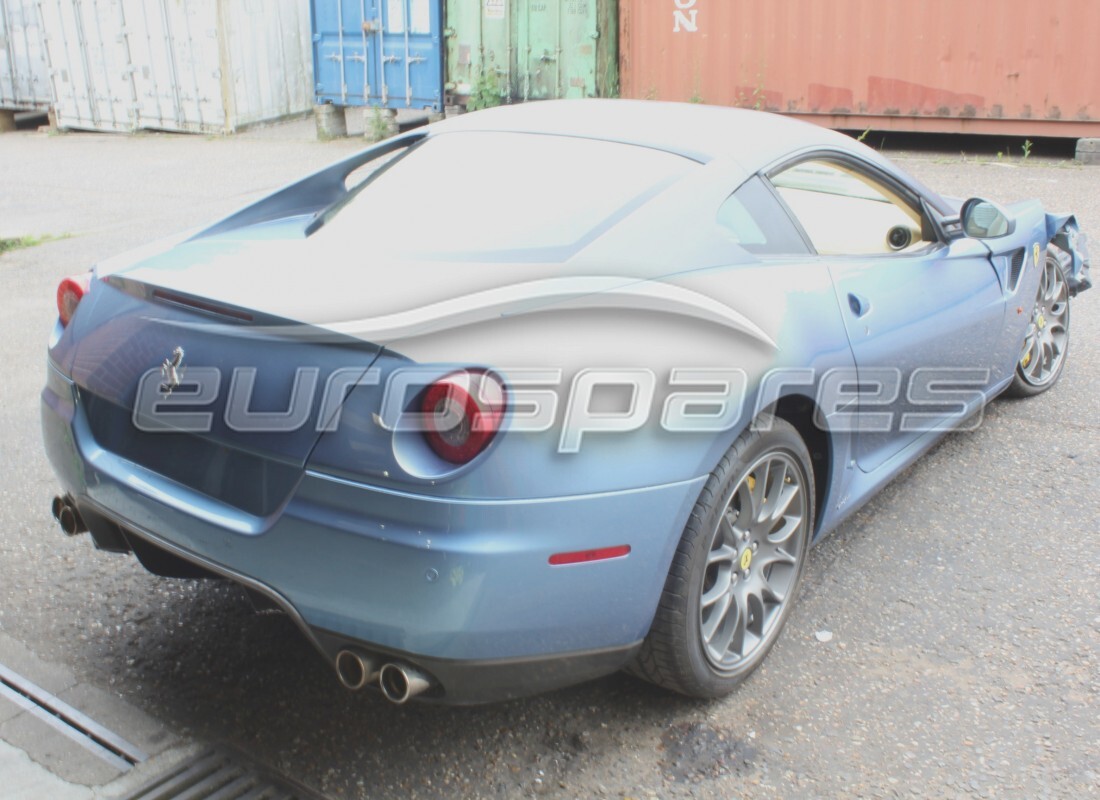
column 1016, row 267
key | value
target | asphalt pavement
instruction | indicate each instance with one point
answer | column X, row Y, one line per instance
column 946, row 642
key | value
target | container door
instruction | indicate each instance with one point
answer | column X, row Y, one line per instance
column 266, row 69
column 479, row 51
column 92, row 75
column 378, row 52
column 121, row 65
column 411, row 57
column 178, row 65
column 557, row 48
column 24, row 76
column 341, row 52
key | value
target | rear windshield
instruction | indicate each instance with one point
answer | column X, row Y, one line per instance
column 502, row 196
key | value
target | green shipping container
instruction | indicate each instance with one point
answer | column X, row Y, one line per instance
column 501, row 51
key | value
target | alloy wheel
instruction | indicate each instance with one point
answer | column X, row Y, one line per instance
column 753, row 561
column 1047, row 334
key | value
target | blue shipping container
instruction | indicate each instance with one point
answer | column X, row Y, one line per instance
column 378, row 53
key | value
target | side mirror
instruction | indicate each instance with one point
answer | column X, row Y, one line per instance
column 984, row 219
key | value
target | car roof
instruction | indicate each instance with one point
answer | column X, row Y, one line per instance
column 754, row 139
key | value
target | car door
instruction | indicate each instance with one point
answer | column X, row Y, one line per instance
column 923, row 316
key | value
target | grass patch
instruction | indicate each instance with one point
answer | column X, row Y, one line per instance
column 23, row 242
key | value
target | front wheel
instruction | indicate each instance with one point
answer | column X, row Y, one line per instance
column 737, row 568
column 1046, row 341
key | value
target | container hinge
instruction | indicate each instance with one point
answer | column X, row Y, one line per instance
column 416, row 59
column 357, row 57
column 391, row 58
column 334, row 57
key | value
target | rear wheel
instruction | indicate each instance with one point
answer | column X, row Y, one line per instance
column 737, row 568
column 1046, row 341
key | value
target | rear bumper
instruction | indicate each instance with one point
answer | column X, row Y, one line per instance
column 454, row 681
column 461, row 589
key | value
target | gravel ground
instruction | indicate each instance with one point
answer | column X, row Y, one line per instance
column 946, row 643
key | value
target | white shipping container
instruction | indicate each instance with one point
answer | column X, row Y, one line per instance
column 204, row 66
column 24, row 76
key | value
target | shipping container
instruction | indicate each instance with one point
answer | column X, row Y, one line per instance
column 1014, row 67
column 206, row 66
column 513, row 50
column 384, row 53
column 24, row 76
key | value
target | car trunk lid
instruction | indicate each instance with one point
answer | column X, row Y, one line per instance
column 224, row 400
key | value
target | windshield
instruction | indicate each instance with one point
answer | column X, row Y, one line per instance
column 501, row 196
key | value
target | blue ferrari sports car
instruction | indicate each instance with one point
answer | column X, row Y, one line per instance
column 542, row 392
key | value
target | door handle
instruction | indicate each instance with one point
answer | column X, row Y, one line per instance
column 859, row 305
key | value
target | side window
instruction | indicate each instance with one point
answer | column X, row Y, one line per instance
column 755, row 220
column 845, row 212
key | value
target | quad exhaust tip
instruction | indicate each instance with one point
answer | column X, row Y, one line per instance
column 355, row 670
column 400, row 683
column 68, row 517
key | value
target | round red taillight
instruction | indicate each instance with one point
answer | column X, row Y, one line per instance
column 463, row 412
column 70, row 292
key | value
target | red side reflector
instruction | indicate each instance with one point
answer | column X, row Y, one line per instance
column 583, row 556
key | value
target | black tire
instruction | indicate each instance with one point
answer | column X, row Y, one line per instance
column 1046, row 342
column 678, row 654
